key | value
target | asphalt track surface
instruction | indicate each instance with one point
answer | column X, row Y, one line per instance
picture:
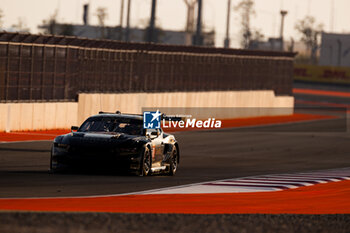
column 205, row 156
column 114, row 222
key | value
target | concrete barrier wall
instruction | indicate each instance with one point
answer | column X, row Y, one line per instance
column 62, row 115
column 228, row 104
column 37, row 116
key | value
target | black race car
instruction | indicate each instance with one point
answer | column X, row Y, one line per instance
column 117, row 141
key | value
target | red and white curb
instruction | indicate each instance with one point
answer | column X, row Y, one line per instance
column 263, row 183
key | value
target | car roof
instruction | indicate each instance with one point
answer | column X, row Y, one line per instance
column 116, row 115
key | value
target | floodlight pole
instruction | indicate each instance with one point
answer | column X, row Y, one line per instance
column 152, row 22
column 227, row 39
column 127, row 33
column 283, row 14
column 121, row 20
column 198, row 40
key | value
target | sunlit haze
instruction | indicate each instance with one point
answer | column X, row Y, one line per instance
column 171, row 14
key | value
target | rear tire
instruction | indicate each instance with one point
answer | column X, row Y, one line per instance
column 173, row 162
column 146, row 163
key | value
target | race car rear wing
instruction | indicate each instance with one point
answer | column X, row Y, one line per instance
column 163, row 116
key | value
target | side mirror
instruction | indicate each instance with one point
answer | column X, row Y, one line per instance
column 74, row 128
column 152, row 134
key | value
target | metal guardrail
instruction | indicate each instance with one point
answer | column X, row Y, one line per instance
column 46, row 68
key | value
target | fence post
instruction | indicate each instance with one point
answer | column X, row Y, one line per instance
column 43, row 72
column 54, row 73
column 7, row 79
column 65, row 74
column 31, row 70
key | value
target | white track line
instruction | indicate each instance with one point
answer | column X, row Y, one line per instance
column 263, row 183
